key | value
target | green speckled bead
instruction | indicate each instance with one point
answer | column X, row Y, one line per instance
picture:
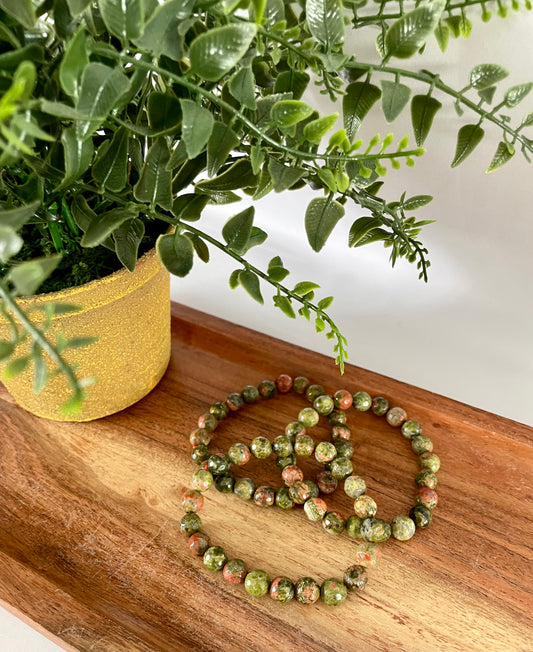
column 430, row 461
column 396, row 416
column 427, row 497
column 326, row 482
column 341, row 468
column 283, row 498
column 200, row 436
column 234, row 571
column 215, row 558
column 324, row 404
column 340, row 432
column 250, row 394
column 355, row 578
column 337, row 418
column 225, row 483
column 292, row 474
column 239, row 454
column 403, row 528
column 202, row 480
column 309, row 417
column 200, row 454
column 244, row 488
column 264, row 496
column 333, row 523
column 300, row 384
column 362, row 401
column 421, row 444
column 380, row 406
column 307, row 590
column 190, row 524
column 313, row 391
column 282, row 446
column 375, row 530
column 354, row 486
column 421, row 516
column 281, row 589
column 192, row 500
column 282, row 462
column 299, row 492
column 411, row 429
column 284, row 383
column 219, row 410
column 257, row 583
column 261, row 447
column 304, row 445
column 293, row 429
column 426, row 478
column 198, row 543
column 353, row 526
column 344, row 448
column 343, row 399
column 333, row 592
column 314, row 491
column 218, row 464
column 234, row 401
column 267, row 388
column 207, row 421
column 364, row 506
column 315, row 508
column 325, row 452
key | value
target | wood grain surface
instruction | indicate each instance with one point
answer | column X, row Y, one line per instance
column 90, row 547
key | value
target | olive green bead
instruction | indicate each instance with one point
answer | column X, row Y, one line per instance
column 207, row 422
column 281, row 589
column 375, row 530
column 337, row 418
column 300, row 384
column 294, row 428
column 234, row 401
column 257, row 583
column 411, row 429
column 426, row 478
column 234, row 571
column 333, row 592
column 354, row 486
column 219, row 410
column 250, row 394
column 314, row 391
column 282, row 462
column 341, row 468
column 309, row 417
column 421, row 516
column 304, row 445
column 430, row 461
column 380, row 406
column 344, row 448
column 267, row 388
column 239, row 454
column 225, row 483
column 202, row 480
column 200, row 453
column 190, row 524
column 244, row 488
column 283, row 498
column 403, row 528
column 396, row 416
column 215, row 558
column 421, row 444
column 200, row 436
column 282, row 446
column 315, row 508
column 364, row 506
column 362, row 401
column 355, row 578
column 324, row 404
column 218, row 464
column 340, row 433
column 261, row 447
column 333, row 523
column 353, row 526
column 300, row 492
column 264, row 496
column 325, row 452
column 307, row 590
column 313, row 488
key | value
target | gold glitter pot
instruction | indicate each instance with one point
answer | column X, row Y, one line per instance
column 130, row 315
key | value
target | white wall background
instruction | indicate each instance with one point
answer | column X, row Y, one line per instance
column 468, row 333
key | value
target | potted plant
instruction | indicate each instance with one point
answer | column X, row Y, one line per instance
column 121, row 121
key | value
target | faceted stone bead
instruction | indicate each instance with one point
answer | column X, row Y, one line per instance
column 202, row 480
column 282, row 446
column 294, row 428
column 300, row 385
column 192, row 500
column 307, row 590
column 304, row 445
column 380, row 406
column 283, row 462
column 234, row 571
column 337, row 418
column 343, row 399
column 281, row 589
column 261, row 447
column 403, row 528
column 190, row 524
column 341, row 468
column 225, row 483
column 257, row 583
column 324, row 404
column 215, row 558
column 411, row 429
column 430, row 461
column 207, row 421
column 299, row 492
column 426, row 478
column 375, row 530
column 284, row 383
column 362, row 401
column 292, row 474
column 313, row 391
column 340, row 432
column 367, row 554
column 333, row 592
column 326, row 482
column 266, row 388
column 250, row 394
column 421, row 444
column 234, row 401
column 283, row 498
column 354, row 486
column 244, row 488
column 344, row 448
column 427, row 497
column 264, row 496
column 315, row 508
column 309, row 417
column 364, row 506
column 200, row 436
column 198, row 543
column 325, row 452
column 333, row 523
column 355, row 578
column 353, row 526
column 219, row 410
column 200, row 453
column 314, row 491
column 239, row 454
column 218, row 464
column 396, row 416
column 421, row 516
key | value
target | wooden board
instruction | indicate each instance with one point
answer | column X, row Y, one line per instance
column 90, row 547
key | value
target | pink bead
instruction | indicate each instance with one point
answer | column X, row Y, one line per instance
column 292, row 474
column 343, row 399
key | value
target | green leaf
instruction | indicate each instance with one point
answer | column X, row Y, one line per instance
column 176, row 252
column 442, row 34
column 250, row 283
column 409, row 33
column 80, row 342
column 504, row 153
column 10, row 243
column 61, row 110
column 6, row 349
column 234, row 278
column 315, row 130
column 15, row 218
column 196, row 128
column 160, row 35
column 292, row 81
column 487, row 74
column 28, row 276
column 189, row 206
column 20, row 10
column 517, row 93
column 164, row 111
column 239, row 175
column 394, row 99
column 222, row 141
column 325, row 20
column 82, row 213
column 76, row 7
column 40, row 373
column 110, row 168
column 216, row 52
column 238, row 229
column 287, row 113
column 527, row 120
column 73, row 63
column 127, row 239
column 360, row 228
column 423, row 110
column 417, row 201
column 303, row 287
column 283, row 303
column 199, row 246
column 123, row 18
column 242, row 86
column 155, row 182
column 276, row 272
column 468, row 138
column 105, row 223
column 321, row 216
column 487, row 94
column 78, row 154
column 283, row 176
column 325, row 303
column 360, row 97
column 15, row 367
